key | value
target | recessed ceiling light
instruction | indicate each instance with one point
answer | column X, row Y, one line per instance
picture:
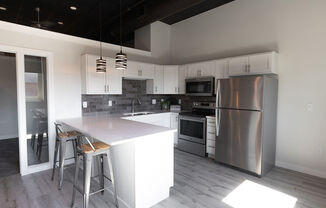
column 3, row 8
column 60, row 23
column 73, row 8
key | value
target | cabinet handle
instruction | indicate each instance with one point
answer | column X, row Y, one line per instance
column 104, row 88
column 108, row 86
column 155, row 88
column 248, row 67
column 178, row 89
column 140, row 72
column 198, row 72
column 175, row 89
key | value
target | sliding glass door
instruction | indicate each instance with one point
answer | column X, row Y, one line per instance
column 35, row 107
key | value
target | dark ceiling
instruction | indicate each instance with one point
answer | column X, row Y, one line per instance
column 84, row 22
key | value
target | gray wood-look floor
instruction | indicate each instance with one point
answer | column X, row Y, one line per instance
column 199, row 182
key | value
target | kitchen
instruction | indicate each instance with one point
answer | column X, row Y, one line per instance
column 176, row 53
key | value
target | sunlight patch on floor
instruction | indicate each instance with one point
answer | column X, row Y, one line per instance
column 253, row 195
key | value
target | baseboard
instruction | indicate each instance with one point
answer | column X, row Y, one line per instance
column 10, row 136
column 301, row 169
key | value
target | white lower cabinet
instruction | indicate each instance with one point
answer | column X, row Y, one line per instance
column 169, row 120
column 175, row 125
column 210, row 137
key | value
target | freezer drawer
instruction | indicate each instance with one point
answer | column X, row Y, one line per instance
column 239, row 140
column 244, row 92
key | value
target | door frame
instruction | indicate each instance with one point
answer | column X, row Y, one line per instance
column 21, row 105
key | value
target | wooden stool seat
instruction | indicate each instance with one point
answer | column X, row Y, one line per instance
column 63, row 135
column 86, row 148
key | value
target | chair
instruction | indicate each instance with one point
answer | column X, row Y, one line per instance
column 88, row 152
column 60, row 147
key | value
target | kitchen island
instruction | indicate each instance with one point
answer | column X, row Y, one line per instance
column 142, row 156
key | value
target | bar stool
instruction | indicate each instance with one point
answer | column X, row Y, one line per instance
column 87, row 152
column 60, row 146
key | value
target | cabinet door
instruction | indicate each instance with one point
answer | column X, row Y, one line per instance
column 182, row 78
column 208, row 68
column 146, row 70
column 132, row 70
column 221, row 71
column 238, row 65
column 113, row 78
column 194, row 70
column 260, row 63
column 171, row 79
column 174, row 125
column 96, row 81
column 158, row 79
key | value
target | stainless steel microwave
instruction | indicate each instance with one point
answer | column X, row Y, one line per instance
column 201, row 86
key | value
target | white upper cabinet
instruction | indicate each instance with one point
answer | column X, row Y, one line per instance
column 113, row 78
column 221, row 69
column 171, row 80
column 146, row 71
column 155, row 85
column 208, row 68
column 137, row 70
column 182, row 79
column 132, row 70
column 98, row 82
column 264, row 63
column 238, row 65
column 193, row 70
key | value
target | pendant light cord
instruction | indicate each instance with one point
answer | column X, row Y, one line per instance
column 100, row 18
column 120, row 26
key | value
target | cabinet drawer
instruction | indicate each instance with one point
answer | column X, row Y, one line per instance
column 210, row 143
column 210, row 136
column 211, row 130
column 210, row 150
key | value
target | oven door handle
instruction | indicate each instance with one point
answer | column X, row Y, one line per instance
column 190, row 118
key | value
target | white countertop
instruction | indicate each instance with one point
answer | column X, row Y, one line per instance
column 112, row 130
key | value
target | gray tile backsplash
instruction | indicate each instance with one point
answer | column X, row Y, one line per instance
column 132, row 89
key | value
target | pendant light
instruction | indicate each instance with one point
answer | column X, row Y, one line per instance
column 121, row 58
column 100, row 63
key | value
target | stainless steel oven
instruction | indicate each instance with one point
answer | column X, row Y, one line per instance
column 202, row 86
column 192, row 128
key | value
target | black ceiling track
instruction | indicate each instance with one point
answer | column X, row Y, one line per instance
column 83, row 22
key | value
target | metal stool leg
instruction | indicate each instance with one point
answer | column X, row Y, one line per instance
column 112, row 177
column 87, row 178
column 101, row 171
column 75, row 181
column 63, row 143
column 55, row 157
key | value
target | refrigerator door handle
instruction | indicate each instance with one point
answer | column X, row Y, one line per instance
column 217, row 111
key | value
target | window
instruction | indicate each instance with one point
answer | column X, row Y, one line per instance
column 34, row 86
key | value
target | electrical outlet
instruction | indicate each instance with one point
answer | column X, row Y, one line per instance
column 84, row 104
column 153, row 101
column 162, row 100
column 179, row 101
column 110, row 103
column 310, row 107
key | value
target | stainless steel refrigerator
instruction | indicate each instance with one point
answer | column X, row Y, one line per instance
column 246, row 122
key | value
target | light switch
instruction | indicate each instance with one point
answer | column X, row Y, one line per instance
column 310, row 107
column 153, row 101
column 110, row 103
column 84, row 104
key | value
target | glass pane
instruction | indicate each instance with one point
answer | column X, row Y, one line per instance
column 192, row 129
column 36, row 110
column 199, row 87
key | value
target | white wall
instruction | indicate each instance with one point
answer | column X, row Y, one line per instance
column 8, row 98
column 297, row 30
column 67, row 51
